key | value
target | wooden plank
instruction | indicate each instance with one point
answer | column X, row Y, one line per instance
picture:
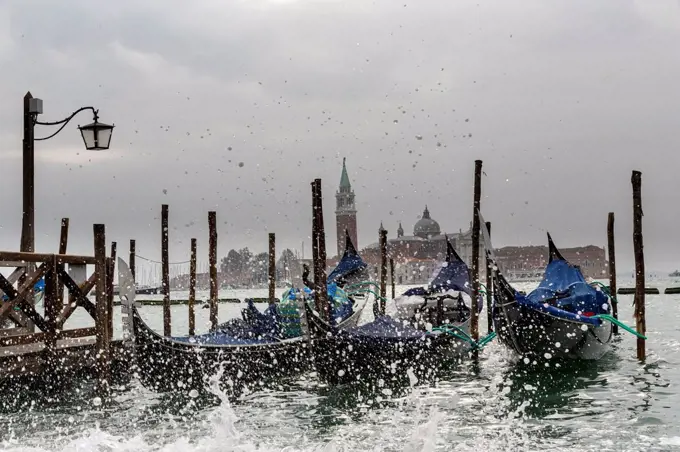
column 31, row 338
column 12, row 256
column 19, row 318
column 77, row 297
column 17, row 297
column 5, row 332
column 13, row 264
column 14, row 277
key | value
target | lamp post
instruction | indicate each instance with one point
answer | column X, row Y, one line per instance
column 96, row 137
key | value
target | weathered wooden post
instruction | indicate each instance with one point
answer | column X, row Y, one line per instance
column 192, row 289
column 52, row 308
column 315, row 252
column 383, row 269
column 165, row 264
column 640, row 321
column 103, row 344
column 612, row 269
column 323, row 289
column 320, row 289
column 474, row 320
column 63, row 242
column 111, row 271
column 133, row 253
column 212, row 255
column 392, row 277
column 489, row 287
column 272, row 267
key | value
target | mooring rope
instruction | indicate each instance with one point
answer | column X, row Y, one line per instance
column 619, row 323
column 606, row 290
column 447, row 329
column 159, row 262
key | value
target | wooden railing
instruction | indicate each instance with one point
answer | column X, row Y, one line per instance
column 19, row 306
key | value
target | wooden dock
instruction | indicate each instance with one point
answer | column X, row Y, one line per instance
column 54, row 350
column 70, row 355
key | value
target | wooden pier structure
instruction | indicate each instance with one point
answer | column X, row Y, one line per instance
column 34, row 344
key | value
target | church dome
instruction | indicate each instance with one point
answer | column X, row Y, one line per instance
column 426, row 227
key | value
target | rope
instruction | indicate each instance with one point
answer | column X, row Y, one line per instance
column 465, row 337
column 606, row 290
column 619, row 323
column 363, row 283
column 159, row 262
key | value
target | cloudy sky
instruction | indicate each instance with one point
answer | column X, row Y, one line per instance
column 237, row 106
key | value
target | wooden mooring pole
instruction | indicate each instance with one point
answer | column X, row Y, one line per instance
column 612, row 269
column 133, row 253
column 489, row 288
column 315, row 252
column 111, row 271
column 383, row 269
column 165, row 263
column 474, row 320
column 192, row 289
column 319, row 244
column 212, row 256
column 640, row 321
column 102, row 337
column 63, row 243
column 392, row 277
column 272, row 267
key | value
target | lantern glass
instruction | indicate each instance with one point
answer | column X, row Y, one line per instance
column 96, row 136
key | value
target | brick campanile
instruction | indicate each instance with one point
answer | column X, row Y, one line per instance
column 345, row 212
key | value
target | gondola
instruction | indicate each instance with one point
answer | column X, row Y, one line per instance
column 387, row 350
column 242, row 353
column 351, row 269
column 441, row 302
column 558, row 319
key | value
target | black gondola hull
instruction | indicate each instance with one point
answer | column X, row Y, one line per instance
column 342, row 357
column 165, row 364
column 538, row 335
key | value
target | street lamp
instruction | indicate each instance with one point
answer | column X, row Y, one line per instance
column 96, row 137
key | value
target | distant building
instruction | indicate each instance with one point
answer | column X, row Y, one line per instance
column 522, row 261
column 345, row 212
column 417, row 257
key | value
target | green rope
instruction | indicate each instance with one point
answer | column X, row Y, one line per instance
column 606, row 290
column 619, row 323
column 464, row 336
column 363, row 283
column 486, row 339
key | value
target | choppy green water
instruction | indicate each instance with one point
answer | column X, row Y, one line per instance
column 615, row 404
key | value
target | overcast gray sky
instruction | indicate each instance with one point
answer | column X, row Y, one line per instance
column 560, row 99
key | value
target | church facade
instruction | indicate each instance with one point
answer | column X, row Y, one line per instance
column 418, row 255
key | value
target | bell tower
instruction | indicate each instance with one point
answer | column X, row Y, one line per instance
column 345, row 212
